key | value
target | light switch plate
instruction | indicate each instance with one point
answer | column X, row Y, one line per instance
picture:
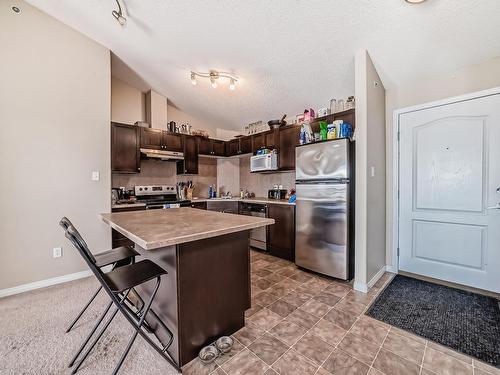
column 57, row 252
column 95, row 176
column 372, row 172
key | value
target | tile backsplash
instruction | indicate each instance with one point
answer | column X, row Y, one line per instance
column 260, row 183
column 156, row 172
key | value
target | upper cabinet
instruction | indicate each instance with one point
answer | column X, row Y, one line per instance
column 125, row 154
column 212, row 147
column 160, row 140
column 288, row 139
column 190, row 163
column 246, row 145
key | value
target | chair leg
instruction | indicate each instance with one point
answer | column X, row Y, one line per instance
column 90, row 335
column 101, row 332
column 84, row 309
column 137, row 328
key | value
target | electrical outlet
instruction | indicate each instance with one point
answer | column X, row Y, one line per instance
column 95, row 176
column 57, row 252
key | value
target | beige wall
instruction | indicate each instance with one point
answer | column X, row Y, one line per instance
column 128, row 104
column 260, row 183
column 156, row 172
column 469, row 79
column 54, row 114
column 370, row 172
column 181, row 117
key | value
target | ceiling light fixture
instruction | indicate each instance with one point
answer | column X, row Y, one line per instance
column 414, row 1
column 214, row 76
column 118, row 14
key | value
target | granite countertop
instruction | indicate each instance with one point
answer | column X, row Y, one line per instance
column 151, row 229
column 122, row 205
column 248, row 200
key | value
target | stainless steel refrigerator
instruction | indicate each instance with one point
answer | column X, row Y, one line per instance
column 324, row 224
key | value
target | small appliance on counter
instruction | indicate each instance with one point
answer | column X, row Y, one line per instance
column 265, row 162
column 159, row 196
column 276, row 193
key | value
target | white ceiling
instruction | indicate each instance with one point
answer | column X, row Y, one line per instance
column 290, row 54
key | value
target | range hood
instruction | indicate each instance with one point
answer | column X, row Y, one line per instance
column 162, row 154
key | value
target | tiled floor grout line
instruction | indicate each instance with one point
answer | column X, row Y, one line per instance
column 379, row 349
column 423, row 357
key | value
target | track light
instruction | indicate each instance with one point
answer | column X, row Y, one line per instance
column 118, row 14
column 214, row 76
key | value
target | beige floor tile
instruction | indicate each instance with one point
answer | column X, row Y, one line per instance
column 410, row 335
column 340, row 290
column 281, row 308
column 287, row 271
column 245, row 363
column 265, row 298
column 274, row 278
column 315, row 308
column 354, row 308
column 374, row 371
column 293, row 363
column 196, row 367
column 305, row 289
column 340, row 362
column 218, row 371
column 248, row 334
column 273, row 267
column 485, row 367
column 391, row 364
column 359, row 348
column 449, row 351
column 322, row 371
column 265, row 319
column 328, row 332
column 359, row 297
column 302, row 318
column 288, row 332
column 268, row 348
column 252, row 310
column 313, row 348
column 444, row 364
column 301, row 277
column 405, row 347
column 270, row 372
column 262, row 273
column 370, row 329
column 480, row 372
column 262, row 284
column 296, row 299
column 327, row 298
column 341, row 318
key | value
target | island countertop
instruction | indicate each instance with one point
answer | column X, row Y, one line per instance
column 152, row 229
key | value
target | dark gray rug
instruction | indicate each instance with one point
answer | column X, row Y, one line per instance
column 464, row 321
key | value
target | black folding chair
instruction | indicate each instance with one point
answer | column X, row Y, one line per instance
column 118, row 283
column 116, row 257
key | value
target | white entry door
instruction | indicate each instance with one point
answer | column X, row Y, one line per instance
column 449, row 228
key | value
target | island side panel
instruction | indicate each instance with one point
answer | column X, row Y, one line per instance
column 165, row 303
column 214, row 290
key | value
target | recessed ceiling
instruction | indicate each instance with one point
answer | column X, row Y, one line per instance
column 289, row 54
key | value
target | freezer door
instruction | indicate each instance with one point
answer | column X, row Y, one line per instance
column 321, row 229
column 323, row 160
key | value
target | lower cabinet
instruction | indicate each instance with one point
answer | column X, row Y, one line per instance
column 228, row 207
column 281, row 235
column 200, row 205
column 118, row 239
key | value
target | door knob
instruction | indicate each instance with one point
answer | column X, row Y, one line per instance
column 498, row 190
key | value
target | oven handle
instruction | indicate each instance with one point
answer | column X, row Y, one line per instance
column 154, row 207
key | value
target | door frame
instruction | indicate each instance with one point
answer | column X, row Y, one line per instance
column 396, row 147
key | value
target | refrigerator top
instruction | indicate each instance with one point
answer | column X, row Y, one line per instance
column 323, row 161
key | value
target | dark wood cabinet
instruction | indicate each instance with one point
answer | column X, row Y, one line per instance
column 190, row 163
column 199, row 205
column 233, row 147
column 229, row 207
column 246, row 145
column 272, row 139
column 160, row 140
column 125, row 148
column 288, row 139
column 152, row 138
column 118, row 239
column 281, row 235
column 258, row 141
column 212, row 147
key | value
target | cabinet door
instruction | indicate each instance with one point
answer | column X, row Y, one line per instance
column 173, row 142
column 229, row 207
column 258, row 141
column 246, row 145
column 204, row 146
column 151, row 138
column 272, row 139
column 288, row 139
column 218, row 147
column 125, row 151
column 233, row 147
column 281, row 235
column 199, row 205
column 190, row 163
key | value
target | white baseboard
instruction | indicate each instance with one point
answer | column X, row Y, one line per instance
column 44, row 283
column 365, row 287
column 391, row 269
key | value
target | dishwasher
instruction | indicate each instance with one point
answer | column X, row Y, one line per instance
column 258, row 236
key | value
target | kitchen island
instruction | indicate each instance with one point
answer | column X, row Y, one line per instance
column 207, row 288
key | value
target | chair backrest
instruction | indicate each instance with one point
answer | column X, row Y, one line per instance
column 77, row 240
